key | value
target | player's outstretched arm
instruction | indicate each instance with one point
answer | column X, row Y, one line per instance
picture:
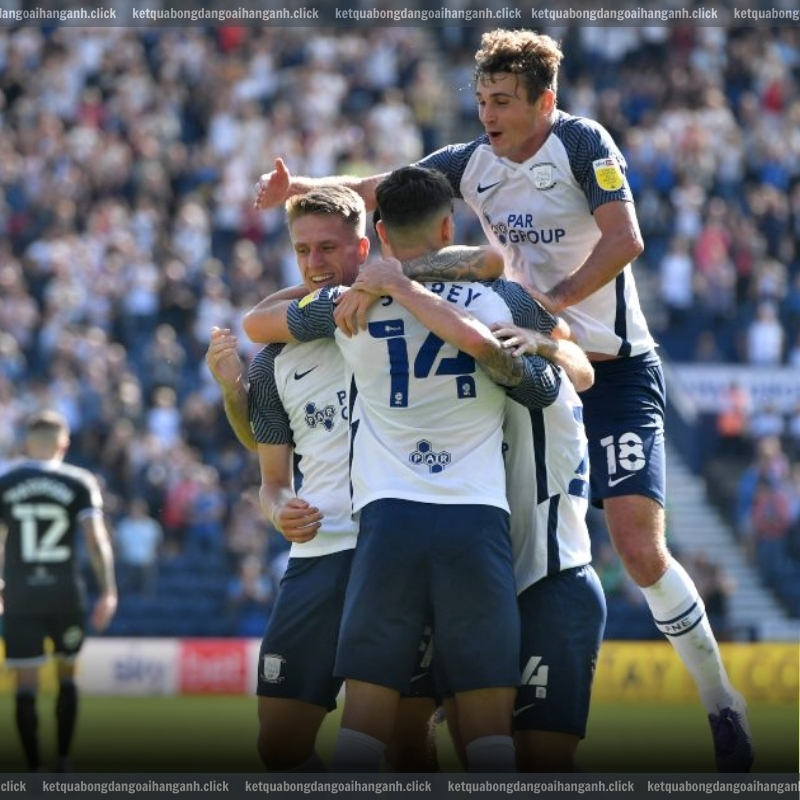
column 289, row 514
column 224, row 364
column 267, row 321
column 566, row 354
column 274, row 188
column 101, row 556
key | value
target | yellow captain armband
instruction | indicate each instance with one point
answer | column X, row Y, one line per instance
column 309, row 298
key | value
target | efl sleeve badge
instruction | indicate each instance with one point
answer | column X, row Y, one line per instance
column 608, row 174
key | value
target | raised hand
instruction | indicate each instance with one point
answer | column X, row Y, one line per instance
column 222, row 358
column 272, row 187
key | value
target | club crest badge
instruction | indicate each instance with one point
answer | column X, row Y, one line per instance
column 542, row 175
column 271, row 667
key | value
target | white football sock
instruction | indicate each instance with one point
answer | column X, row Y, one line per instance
column 680, row 615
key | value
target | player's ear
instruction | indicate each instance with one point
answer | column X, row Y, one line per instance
column 448, row 230
column 380, row 229
column 363, row 249
column 548, row 101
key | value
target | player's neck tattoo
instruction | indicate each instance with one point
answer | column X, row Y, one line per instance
column 456, row 263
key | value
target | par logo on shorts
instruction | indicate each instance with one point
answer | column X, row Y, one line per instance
column 543, row 176
column 271, row 668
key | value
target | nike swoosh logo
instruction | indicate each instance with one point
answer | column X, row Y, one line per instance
column 518, row 711
column 419, row 677
column 619, row 480
column 298, row 375
column 482, row 189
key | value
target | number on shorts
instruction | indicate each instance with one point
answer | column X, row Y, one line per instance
column 627, row 452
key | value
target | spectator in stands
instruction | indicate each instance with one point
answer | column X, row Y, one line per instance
column 137, row 540
column 246, row 532
column 765, row 336
column 770, row 465
column 205, row 513
column 732, row 421
column 677, row 289
column 768, row 528
column 715, row 587
column 766, row 420
column 250, row 597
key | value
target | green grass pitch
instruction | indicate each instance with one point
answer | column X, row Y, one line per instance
column 217, row 734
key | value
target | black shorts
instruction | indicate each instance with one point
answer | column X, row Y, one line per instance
column 25, row 636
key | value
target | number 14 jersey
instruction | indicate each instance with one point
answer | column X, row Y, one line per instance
column 425, row 420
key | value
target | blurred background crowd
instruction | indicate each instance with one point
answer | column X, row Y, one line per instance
column 127, row 164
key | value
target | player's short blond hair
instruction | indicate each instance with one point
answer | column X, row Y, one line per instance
column 335, row 199
column 48, row 422
column 534, row 57
column 47, row 434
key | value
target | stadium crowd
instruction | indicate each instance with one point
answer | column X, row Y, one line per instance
column 127, row 161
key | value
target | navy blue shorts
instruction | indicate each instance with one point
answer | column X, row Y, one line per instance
column 414, row 560
column 624, row 417
column 563, row 618
column 423, row 678
column 25, row 636
column 299, row 647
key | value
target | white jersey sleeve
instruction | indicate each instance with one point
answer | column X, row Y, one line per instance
column 297, row 396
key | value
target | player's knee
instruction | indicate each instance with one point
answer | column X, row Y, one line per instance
column 643, row 553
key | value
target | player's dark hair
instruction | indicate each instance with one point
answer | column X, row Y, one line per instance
column 335, row 199
column 412, row 195
column 534, row 57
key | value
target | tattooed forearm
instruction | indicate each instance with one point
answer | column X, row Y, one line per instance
column 503, row 368
column 456, row 263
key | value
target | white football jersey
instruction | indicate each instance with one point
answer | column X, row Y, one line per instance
column 547, row 467
column 297, row 396
column 539, row 213
column 426, row 421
